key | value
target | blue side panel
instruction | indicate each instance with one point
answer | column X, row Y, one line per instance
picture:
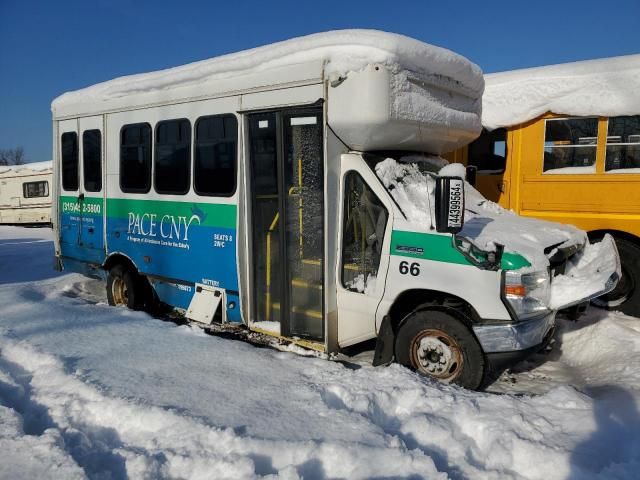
column 82, row 230
column 182, row 241
column 191, row 257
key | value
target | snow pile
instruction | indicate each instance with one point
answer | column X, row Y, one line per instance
column 486, row 223
column 342, row 51
column 35, row 166
column 84, row 392
column 604, row 87
column 586, row 274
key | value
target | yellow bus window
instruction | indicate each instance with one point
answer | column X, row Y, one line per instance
column 570, row 145
column 623, row 145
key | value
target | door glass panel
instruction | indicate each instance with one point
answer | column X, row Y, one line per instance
column 304, row 226
column 266, row 217
column 69, row 143
column 92, row 160
column 363, row 229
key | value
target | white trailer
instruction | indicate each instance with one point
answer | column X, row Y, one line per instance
column 257, row 188
column 25, row 194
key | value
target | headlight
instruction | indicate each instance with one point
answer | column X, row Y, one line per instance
column 527, row 293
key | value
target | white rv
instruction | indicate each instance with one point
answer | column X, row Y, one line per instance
column 25, row 194
column 294, row 189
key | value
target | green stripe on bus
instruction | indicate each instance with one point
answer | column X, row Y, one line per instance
column 440, row 248
column 211, row 214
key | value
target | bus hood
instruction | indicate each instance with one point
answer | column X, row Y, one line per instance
column 580, row 270
column 540, row 242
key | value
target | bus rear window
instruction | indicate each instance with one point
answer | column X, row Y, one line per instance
column 69, row 147
column 135, row 158
column 215, row 155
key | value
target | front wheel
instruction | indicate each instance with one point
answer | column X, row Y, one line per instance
column 626, row 296
column 440, row 346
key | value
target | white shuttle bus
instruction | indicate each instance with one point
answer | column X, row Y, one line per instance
column 296, row 189
column 25, row 194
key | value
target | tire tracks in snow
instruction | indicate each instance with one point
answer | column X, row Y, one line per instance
column 117, row 438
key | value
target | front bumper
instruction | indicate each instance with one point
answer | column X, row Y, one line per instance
column 517, row 336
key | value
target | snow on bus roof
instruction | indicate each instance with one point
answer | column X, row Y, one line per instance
column 602, row 87
column 34, row 166
column 341, row 51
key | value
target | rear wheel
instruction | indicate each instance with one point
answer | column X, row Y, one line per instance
column 440, row 346
column 124, row 288
column 626, row 296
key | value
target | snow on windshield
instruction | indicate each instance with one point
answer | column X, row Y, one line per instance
column 486, row 223
column 606, row 87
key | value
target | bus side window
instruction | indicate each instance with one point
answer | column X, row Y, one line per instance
column 92, row 160
column 172, row 168
column 489, row 151
column 135, row 158
column 69, row 143
column 215, row 155
column 623, row 145
column 364, row 224
column 570, row 145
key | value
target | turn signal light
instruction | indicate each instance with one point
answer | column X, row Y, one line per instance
column 516, row 290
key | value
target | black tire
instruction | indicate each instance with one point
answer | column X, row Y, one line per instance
column 124, row 288
column 626, row 296
column 466, row 364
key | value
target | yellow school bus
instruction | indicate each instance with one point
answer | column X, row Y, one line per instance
column 577, row 169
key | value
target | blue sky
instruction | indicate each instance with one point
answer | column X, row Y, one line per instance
column 49, row 47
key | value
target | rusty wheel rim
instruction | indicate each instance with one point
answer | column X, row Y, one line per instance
column 119, row 291
column 437, row 354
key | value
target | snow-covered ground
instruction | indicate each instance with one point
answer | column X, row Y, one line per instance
column 87, row 390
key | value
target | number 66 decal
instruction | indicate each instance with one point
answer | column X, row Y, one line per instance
column 413, row 269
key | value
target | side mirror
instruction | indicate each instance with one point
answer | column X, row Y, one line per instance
column 449, row 204
column 472, row 171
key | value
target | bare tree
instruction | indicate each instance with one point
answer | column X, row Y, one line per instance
column 12, row 156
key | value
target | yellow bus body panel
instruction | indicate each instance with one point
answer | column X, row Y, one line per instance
column 590, row 201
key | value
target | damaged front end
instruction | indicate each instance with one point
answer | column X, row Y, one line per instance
column 590, row 273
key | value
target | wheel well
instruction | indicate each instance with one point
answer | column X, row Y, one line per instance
column 598, row 234
column 118, row 259
column 417, row 299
